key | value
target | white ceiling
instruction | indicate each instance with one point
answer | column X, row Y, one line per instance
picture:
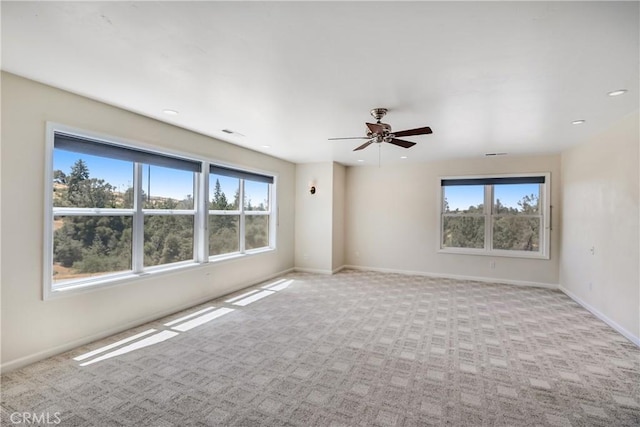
column 485, row 76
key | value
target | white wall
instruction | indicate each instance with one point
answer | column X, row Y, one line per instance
column 392, row 220
column 600, row 211
column 33, row 328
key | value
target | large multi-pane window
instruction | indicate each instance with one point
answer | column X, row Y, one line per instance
column 496, row 215
column 118, row 211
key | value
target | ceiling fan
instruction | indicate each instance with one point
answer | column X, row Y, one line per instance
column 381, row 132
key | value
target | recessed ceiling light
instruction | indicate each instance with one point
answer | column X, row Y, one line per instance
column 403, row 157
column 170, row 112
column 266, row 146
column 360, row 160
column 577, row 122
column 617, row 92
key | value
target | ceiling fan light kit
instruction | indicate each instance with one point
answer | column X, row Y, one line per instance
column 381, row 132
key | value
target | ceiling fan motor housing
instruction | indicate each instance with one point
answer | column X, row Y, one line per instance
column 378, row 113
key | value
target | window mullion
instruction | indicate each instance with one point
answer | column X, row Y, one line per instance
column 137, row 257
column 273, row 222
column 545, row 217
column 201, row 220
column 241, row 245
column 488, row 222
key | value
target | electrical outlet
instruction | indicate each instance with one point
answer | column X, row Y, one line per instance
column 590, row 285
column 357, row 254
column 592, row 250
column 492, row 264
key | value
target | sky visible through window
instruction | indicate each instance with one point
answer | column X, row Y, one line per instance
column 165, row 182
column 463, row 196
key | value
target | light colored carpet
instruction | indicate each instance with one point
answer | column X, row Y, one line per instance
column 356, row 349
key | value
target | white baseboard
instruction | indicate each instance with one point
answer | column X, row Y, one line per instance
column 628, row 335
column 313, row 270
column 319, row 271
column 339, row 269
column 457, row 277
column 41, row 355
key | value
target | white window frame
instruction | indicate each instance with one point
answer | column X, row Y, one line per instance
column 200, row 214
column 545, row 219
column 241, row 212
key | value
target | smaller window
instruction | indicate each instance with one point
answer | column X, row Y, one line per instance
column 236, row 226
column 504, row 216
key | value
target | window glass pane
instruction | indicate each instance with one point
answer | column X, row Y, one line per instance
column 224, row 234
column 167, row 239
column 463, row 232
column 256, row 231
column 167, row 188
column 224, row 193
column 256, row 196
column 87, row 246
column 85, row 181
column 463, row 199
column 516, row 233
column 516, row 199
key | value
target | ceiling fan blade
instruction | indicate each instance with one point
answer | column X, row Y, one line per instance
column 375, row 128
column 351, row 137
column 401, row 143
column 365, row 145
column 417, row 131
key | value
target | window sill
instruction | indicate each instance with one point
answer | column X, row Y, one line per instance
column 87, row 285
column 238, row 255
column 493, row 253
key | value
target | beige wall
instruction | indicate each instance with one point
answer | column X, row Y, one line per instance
column 383, row 218
column 600, row 211
column 313, row 245
column 320, row 217
column 392, row 220
column 33, row 328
